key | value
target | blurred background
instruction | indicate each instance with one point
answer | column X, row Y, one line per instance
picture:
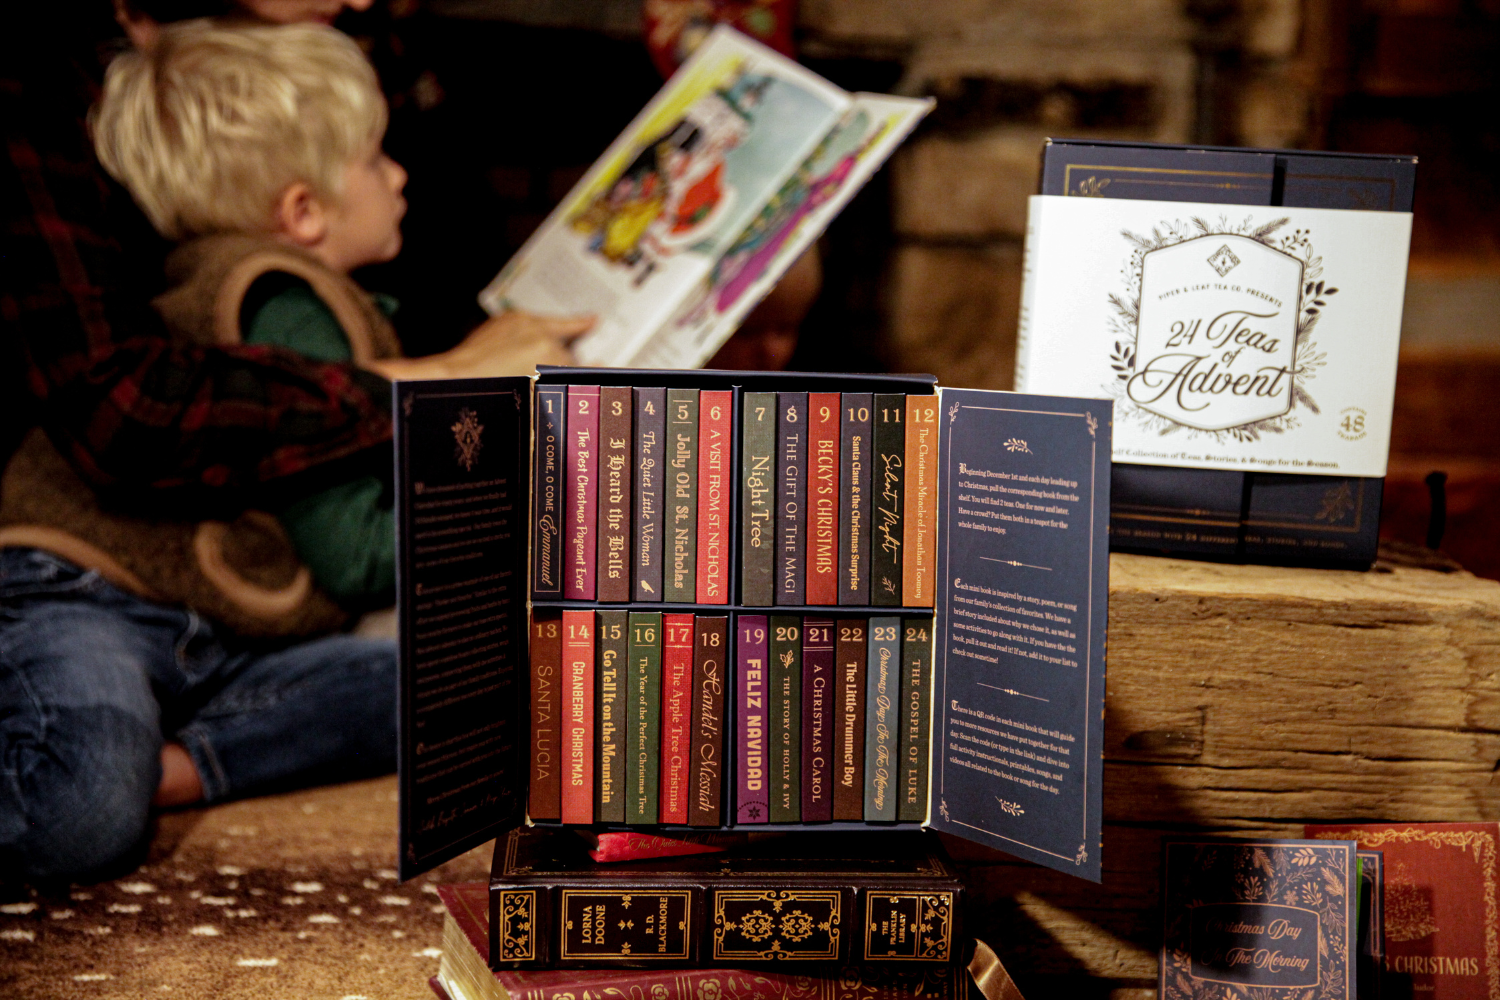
column 500, row 105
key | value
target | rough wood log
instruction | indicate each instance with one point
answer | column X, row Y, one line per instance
column 1247, row 701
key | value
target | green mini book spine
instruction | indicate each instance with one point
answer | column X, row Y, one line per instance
column 757, row 499
column 916, row 705
column 882, row 692
column 785, row 730
column 681, row 583
column 610, row 673
column 643, row 731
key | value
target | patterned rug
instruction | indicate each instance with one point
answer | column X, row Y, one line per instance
column 292, row 896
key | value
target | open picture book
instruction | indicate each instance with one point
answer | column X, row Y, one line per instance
column 692, row 215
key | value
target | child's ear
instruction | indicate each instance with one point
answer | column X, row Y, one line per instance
column 301, row 217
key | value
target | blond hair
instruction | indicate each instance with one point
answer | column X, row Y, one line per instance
column 212, row 126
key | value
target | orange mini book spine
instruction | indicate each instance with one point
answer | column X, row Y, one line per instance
column 918, row 574
column 823, row 497
column 676, row 717
column 578, row 717
column 714, row 485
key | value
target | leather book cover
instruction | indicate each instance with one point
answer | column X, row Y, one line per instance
column 711, row 649
column 715, row 484
column 823, row 498
column 643, row 719
column 648, row 525
column 913, row 720
column 548, row 490
column 920, row 523
column 794, row 900
column 1442, row 906
column 676, row 716
column 882, row 706
column 887, row 499
column 544, row 794
column 757, row 498
column 785, row 734
column 752, row 795
column 615, row 464
column 818, row 702
column 610, row 648
column 791, row 498
column 680, row 581
column 578, row 717
column 849, row 719
column 581, row 509
column 855, row 464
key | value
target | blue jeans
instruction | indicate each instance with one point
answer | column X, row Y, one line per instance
column 93, row 680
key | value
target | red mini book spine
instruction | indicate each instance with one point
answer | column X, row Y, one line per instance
column 583, row 492
column 714, row 484
column 578, row 717
column 823, row 498
column 676, row 717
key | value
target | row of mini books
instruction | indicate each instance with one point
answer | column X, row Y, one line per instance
column 628, row 718
column 637, row 490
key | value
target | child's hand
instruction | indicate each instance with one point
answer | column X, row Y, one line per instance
column 513, row 343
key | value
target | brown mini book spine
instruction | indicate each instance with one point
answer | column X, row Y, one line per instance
column 919, row 571
column 544, row 799
column 615, row 406
column 710, row 647
column 849, row 719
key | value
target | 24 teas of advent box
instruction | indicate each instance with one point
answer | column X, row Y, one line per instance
column 757, row 601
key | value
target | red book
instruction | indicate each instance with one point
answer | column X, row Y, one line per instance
column 578, row 717
column 581, row 512
column 613, row 846
column 545, row 798
column 823, row 498
column 714, row 485
column 1441, row 919
column 676, row 717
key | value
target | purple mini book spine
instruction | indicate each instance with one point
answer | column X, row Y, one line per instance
column 817, row 720
column 752, row 803
column 583, row 492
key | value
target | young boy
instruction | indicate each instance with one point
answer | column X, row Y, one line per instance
column 260, row 148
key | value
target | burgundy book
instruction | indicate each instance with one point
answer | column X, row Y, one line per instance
column 578, row 716
column 849, row 718
column 715, row 483
column 616, row 846
column 615, row 461
column 817, row 719
column 581, row 511
column 823, row 498
column 1442, row 906
column 544, row 799
column 752, row 801
column 710, row 649
column 676, row 717
column 856, row 460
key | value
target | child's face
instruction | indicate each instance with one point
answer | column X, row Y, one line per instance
column 364, row 227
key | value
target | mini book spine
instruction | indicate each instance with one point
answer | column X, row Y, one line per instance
column 676, row 716
column 791, row 498
column 752, row 801
column 921, row 502
column 855, row 456
column 682, row 496
column 757, row 498
column 610, row 649
column 547, row 505
column 583, row 489
column 715, row 481
column 642, row 770
column 887, row 500
column 882, row 694
column 849, row 719
column 650, row 475
column 785, row 731
column 916, row 706
column 817, row 719
column 615, row 461
column 823, row 498
column 544, row 796
column 711, row 645
column 578, row 716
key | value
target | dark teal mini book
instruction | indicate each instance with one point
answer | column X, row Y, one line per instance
column 916, row 706
column 790, row 566
column 882, row 697
column 1270, row 919
column 643, row 708
column 887, row 499
column 856, row 459
column 680, row 576
column 647, row 522
column 610, row 675
column 757, row 498
column 786, row 719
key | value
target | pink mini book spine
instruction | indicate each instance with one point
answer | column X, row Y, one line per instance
column 676, row 717
column 582, row 511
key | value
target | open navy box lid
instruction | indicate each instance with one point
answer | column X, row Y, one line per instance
column 463, row 496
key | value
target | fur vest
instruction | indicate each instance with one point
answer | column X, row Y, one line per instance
column 242, row 573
